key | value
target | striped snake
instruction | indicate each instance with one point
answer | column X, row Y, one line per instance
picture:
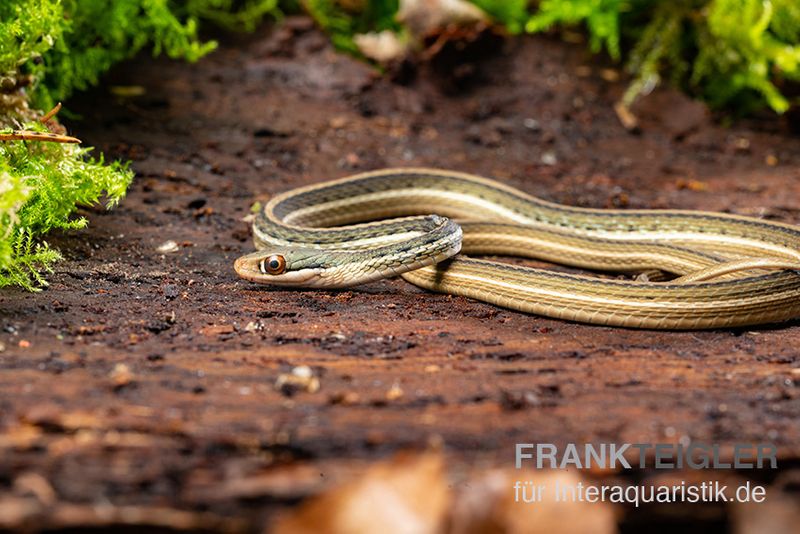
column 731, row 270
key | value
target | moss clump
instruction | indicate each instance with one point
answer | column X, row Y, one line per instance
column 732, row 53
column 48, row 50
column 43, row 183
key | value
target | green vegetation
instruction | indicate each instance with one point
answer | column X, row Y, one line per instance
column 48, row 50
column 43, row 183
column 510, row 13
column 343, row 20
column 732, row 53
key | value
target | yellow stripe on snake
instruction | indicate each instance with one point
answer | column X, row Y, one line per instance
column 732, row 270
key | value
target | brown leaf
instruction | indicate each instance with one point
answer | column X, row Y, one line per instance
column 407, row 494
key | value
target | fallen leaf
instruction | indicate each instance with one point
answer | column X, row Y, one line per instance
column 405, row 495
column 383, row 47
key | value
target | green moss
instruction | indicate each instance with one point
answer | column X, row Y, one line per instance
column 600, row 16
column 48, row 50
column 43, row 184
column 732, row 53
column 512, row 14
column 745, row 48
column 235, row 15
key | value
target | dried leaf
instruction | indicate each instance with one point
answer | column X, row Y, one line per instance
column 407, row 494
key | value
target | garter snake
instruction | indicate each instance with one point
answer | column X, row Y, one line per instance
column 733, row 270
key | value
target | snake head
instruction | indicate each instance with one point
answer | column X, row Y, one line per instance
column 296, row 267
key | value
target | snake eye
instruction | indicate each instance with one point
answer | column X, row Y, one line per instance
column 275, row 264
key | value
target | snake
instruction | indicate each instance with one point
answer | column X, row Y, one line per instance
column 707, row 270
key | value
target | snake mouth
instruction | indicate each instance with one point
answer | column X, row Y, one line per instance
column 248, row 267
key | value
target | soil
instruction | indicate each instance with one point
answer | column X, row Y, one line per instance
column 156, row 379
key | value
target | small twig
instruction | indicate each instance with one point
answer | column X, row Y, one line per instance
column 28, row 135
column 50, row 114
column 626, row 117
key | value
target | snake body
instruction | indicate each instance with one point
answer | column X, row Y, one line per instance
column 733, row 270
